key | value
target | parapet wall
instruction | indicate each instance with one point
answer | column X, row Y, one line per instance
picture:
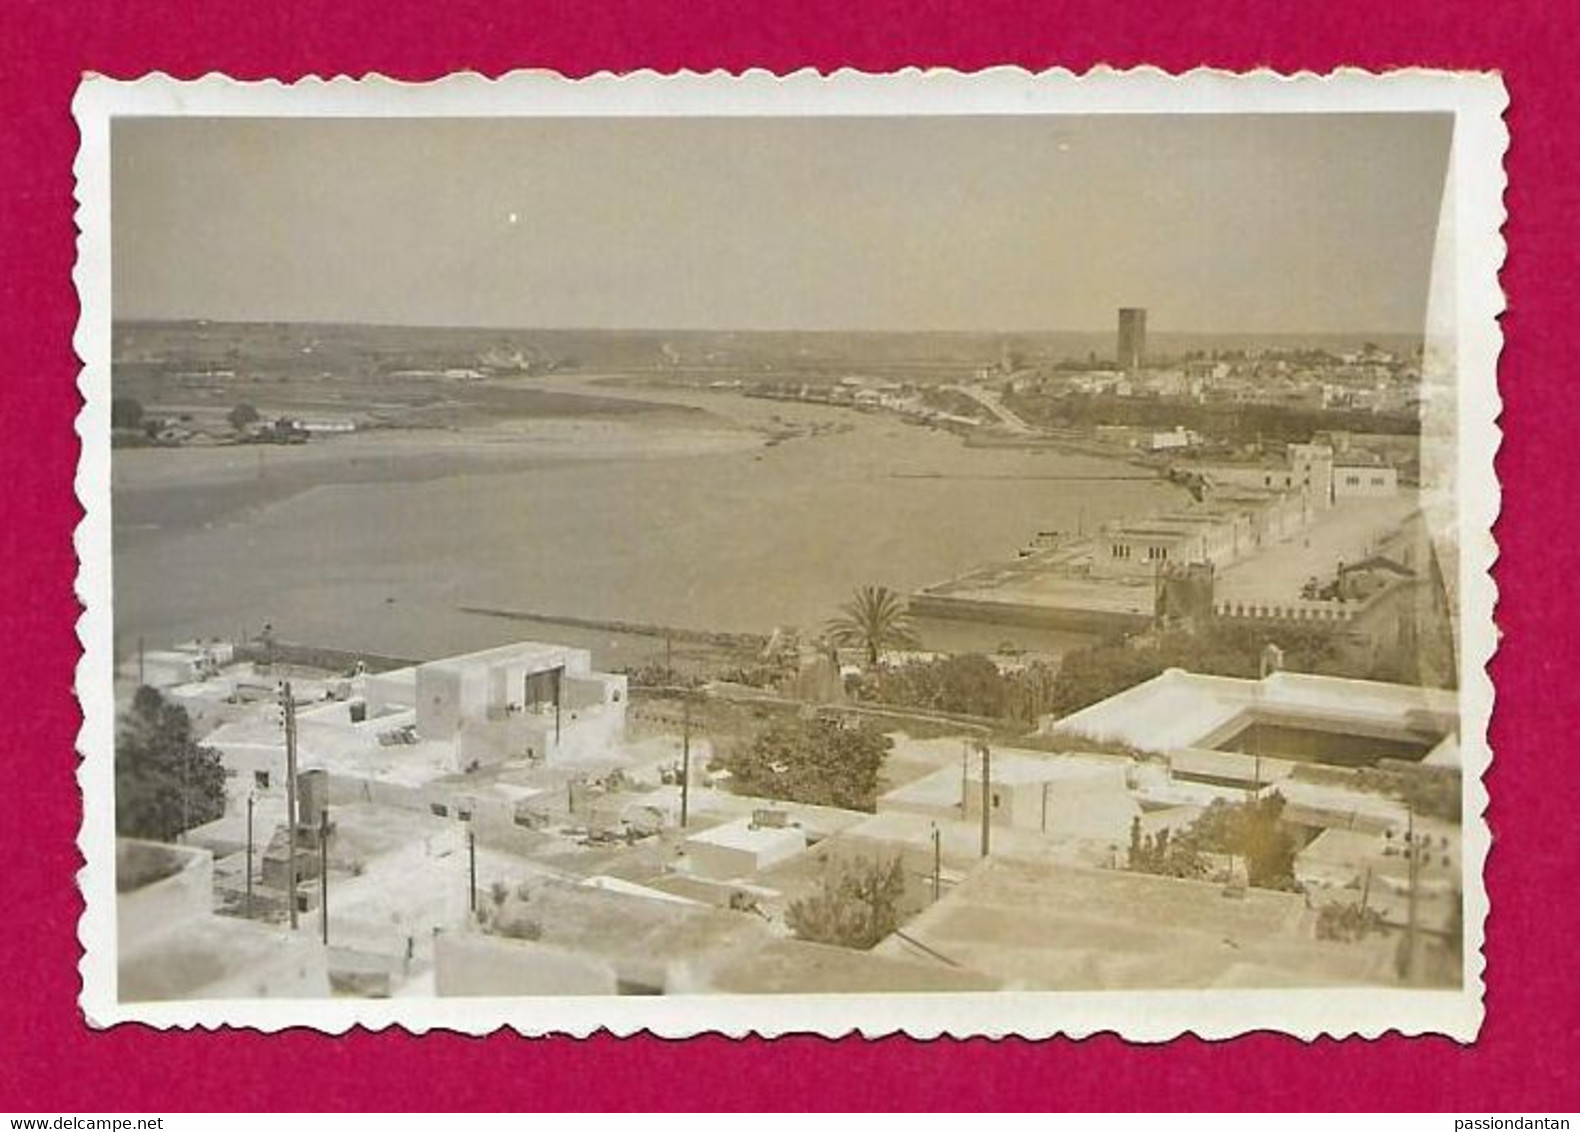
column 1307, row 613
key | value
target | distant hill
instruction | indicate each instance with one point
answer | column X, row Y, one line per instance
column 369, row 350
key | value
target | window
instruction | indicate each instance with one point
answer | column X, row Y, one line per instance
column 1352, row 481
column 260, row 779
column 995, row 801
column 1379, row 481
column 439, row 809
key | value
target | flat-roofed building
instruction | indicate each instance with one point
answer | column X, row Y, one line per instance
column 172, row 945
column 602, row 940
column 742, row 848
column 1046, row 925
column 793, row 966
column 1140, row 549
column 1286, row 715
column 1066, row 795
column 1231, row 522
column 1145, row 547
column 1364, row 480
column 527, row 700
column 1312, row 471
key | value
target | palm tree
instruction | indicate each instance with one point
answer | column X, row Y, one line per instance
column 874, row 619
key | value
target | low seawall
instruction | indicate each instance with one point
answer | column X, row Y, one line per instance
column 751, row 642
column 1015, row 614
column 317, row 656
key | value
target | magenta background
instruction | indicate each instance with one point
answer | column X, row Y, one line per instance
column 50, row 1061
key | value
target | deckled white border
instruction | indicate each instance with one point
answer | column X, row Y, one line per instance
column 1477, row 101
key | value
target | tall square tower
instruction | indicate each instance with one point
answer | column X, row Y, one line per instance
column 1132, row 338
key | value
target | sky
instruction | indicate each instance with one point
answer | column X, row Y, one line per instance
column 1231, row 223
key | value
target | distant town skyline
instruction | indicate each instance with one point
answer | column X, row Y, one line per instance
column 1234, row 225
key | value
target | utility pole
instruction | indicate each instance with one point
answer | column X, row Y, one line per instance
column 987, row 797
column 938, row 861
column 289, row 705
column 323, row 873
column 1410, row 924
column 965, row 773
column 249, row 855
column 471, row 870
column 1256, row 743
column 685, row 760
column 559, row 686
column 186, row 809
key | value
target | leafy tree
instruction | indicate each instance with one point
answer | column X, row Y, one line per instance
column 165, row 782
column 1096, row 672
column 964, row 684
column 242, row 416
column 857, row 904
column 818, row 761
column 1347, row 922
column 126, row 412
column 1253, row 830
column 874, row 619
column 1163, row 854
column 969, row 684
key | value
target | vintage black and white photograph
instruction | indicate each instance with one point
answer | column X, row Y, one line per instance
column 570, row 555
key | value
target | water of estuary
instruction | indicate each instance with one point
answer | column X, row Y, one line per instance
column 746, row 516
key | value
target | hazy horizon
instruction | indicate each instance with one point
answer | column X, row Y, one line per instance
column 1311, row 224
column 1153, row 332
